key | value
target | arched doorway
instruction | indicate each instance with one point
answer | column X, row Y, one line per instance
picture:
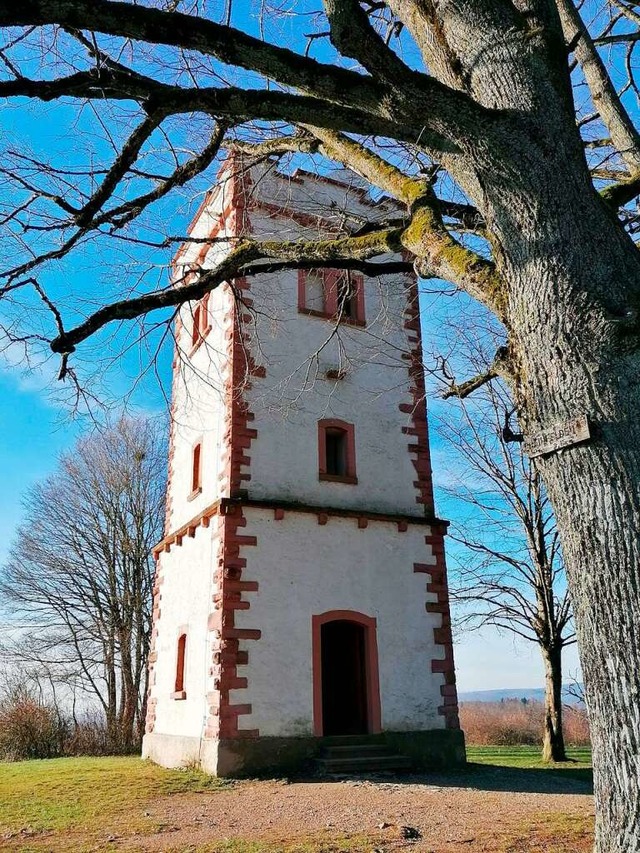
column 345, row 677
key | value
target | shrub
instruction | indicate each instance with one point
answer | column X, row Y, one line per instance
column 89, row 737
column 30, row 729
column 576, row 726
column 516, row 723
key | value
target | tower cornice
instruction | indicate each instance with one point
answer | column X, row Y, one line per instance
column 222, row 506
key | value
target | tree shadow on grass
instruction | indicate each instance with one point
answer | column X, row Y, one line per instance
column 492, row 777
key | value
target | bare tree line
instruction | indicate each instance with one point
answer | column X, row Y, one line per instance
column 76, row 589
column 510, row 574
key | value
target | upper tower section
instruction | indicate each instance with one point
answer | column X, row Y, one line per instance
column 297, row 386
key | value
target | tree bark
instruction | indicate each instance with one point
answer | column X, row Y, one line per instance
column 597, row 502
column 553, row 748
column 129, row 692
column 573, row 321
column 570, row 306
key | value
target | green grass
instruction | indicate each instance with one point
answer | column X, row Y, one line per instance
column 88, row 795
column 527, row 757
column 77, row 803
column 553, row 833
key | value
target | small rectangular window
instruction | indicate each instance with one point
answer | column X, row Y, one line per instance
column 201, row 325
column 335, row 294
column 195, row 329
column 336, row 451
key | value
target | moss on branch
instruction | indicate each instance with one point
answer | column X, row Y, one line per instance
column 427, row 238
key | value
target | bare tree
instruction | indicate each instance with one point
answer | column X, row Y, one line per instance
column 510, row 573
column 503, row 129
column 77, row 587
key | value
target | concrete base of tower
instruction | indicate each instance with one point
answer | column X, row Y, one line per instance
column 431, row 748
column 181, row 751
column 428, row 749
column 264, row 754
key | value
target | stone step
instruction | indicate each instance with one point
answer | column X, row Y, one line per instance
column 351, row 740
column 357, row 750
column 364, row 764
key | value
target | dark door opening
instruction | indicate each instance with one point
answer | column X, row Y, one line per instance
column 344, row 679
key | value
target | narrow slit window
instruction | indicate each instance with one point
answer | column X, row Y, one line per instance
column 201, row 324
column 180, row 659
column 336, row 451
column 196, row 469
column 196, row 329
column 205, row 324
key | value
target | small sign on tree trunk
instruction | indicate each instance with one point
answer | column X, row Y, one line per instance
column 559, row 435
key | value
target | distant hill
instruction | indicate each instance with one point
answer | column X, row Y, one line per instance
column 528, row 693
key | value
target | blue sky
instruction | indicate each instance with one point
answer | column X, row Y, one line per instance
column 32, row 436
column 36, row 426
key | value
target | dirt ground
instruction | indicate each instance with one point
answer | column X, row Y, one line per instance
column 488, row 809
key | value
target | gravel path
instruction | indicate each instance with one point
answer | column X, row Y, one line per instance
column 489, row 809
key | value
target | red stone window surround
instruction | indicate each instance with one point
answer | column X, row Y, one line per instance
column 179, row 691
column 336, row 451
column 201, row 325
column 333, row 294
column 196, row 470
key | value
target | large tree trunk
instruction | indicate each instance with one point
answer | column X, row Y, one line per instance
column 129, row 698
column 574, row 329
column 597, row 502
column 553, row 748
column 571, row 306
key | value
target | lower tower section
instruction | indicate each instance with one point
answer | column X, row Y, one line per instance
column 324, row 622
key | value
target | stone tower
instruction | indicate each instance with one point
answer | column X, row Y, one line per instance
column 301, row 586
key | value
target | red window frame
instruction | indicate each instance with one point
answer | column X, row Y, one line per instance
column 325, row 427
column 332, row 278
column 349, row 307
column 374, row 713
column 201, row 322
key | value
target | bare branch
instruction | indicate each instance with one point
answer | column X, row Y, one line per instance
column 241, row 261
column 353, row 36
column 499, row 367
column 621, row 129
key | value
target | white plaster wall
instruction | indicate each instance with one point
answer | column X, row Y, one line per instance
column 296, row 350
column 343, row 202
column 187, row 592
column 303, row 569
column 199, row 401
